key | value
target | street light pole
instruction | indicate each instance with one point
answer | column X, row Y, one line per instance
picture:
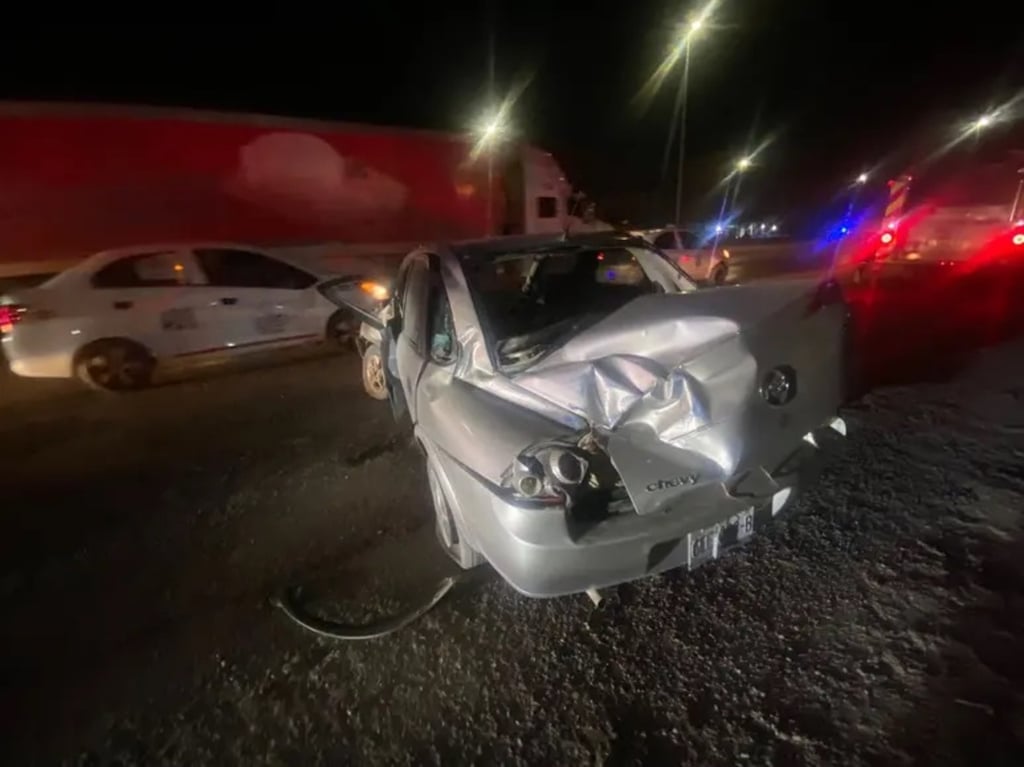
column 490, row 191
column 742, row 166
column 684, row 88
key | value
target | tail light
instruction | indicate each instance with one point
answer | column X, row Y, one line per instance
column 1018, row 239
column 10, row 315
column 887, row 238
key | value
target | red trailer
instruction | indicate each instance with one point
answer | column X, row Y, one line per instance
column 77, row 179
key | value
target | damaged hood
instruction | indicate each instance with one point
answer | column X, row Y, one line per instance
column 675, row 383
column 642, row 349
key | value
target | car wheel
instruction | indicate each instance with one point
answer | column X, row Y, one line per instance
column 115, row 365
column 342, row 329
column 447, row 529
column 718, row 275
column 373, row 373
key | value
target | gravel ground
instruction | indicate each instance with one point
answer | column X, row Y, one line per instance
column 882, row 622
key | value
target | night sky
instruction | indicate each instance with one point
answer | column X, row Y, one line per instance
column 833, row 87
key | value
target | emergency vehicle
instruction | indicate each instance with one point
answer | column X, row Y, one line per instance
column 954, row 216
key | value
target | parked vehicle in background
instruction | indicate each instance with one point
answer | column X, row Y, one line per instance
column 116, row 176
column 113, row 318
column 589, row 417
column 701, row 261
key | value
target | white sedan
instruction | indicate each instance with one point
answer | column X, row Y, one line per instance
column 699, row 261
column 112, row 318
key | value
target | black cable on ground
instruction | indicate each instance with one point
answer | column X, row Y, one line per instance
column 290, row 604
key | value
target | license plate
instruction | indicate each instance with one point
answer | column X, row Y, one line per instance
column 705, row 545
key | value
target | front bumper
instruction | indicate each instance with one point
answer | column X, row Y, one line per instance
column 542, row 552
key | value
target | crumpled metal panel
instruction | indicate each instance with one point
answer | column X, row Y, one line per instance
column 673, row 383
column 649, row 360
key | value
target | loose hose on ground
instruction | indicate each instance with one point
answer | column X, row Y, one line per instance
column 289, row 602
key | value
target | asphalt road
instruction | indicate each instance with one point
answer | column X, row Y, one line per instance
column 144, row 535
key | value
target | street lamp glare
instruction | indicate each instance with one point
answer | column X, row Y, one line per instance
column 862, row 178
column 983, row 122
column 698, row 22
column 743, row 164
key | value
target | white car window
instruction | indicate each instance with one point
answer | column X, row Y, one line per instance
column 665, row 241
column 232, row 267
column 148, row 270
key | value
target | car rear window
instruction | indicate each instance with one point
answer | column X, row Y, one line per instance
column 525, row 292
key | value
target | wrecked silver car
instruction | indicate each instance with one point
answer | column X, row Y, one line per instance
column 589, row 416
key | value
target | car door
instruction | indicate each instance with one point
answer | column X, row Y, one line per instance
column 255, row 300
column 389, row 321
column 146, row 297
column 407, row 338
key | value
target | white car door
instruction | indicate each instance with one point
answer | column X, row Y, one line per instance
column 144, row 297
column 258, row 300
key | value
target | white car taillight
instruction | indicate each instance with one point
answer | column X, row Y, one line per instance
column 11, row 315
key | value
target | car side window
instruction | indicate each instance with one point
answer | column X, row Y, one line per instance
column 439, row 318
column 687, row 240
column 229, row 267
column 145, row 270
column 414, row 304
column 665, row 241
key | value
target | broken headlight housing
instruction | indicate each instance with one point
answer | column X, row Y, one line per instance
column 547, row 474
column 575, row 474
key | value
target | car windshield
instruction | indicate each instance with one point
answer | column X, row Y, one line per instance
column 530, row 302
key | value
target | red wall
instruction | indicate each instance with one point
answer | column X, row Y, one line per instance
column 73, row 184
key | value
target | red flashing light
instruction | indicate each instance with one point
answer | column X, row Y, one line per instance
column 600, row 256
column 886, row 238
column 9, row 316
column 1018, row 239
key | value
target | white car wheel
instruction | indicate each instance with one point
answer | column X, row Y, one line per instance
column 115, row 365
column 447, row 529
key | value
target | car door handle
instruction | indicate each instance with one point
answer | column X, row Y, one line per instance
column 123, row 304
column 229, row 300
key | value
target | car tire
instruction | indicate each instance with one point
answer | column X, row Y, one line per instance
column 718, row 275
column 374, row 382
column 446, row 527
column 342, row 329
column 115, row 364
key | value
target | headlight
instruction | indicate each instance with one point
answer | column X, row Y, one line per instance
column 546, row 474
column 566, row 468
